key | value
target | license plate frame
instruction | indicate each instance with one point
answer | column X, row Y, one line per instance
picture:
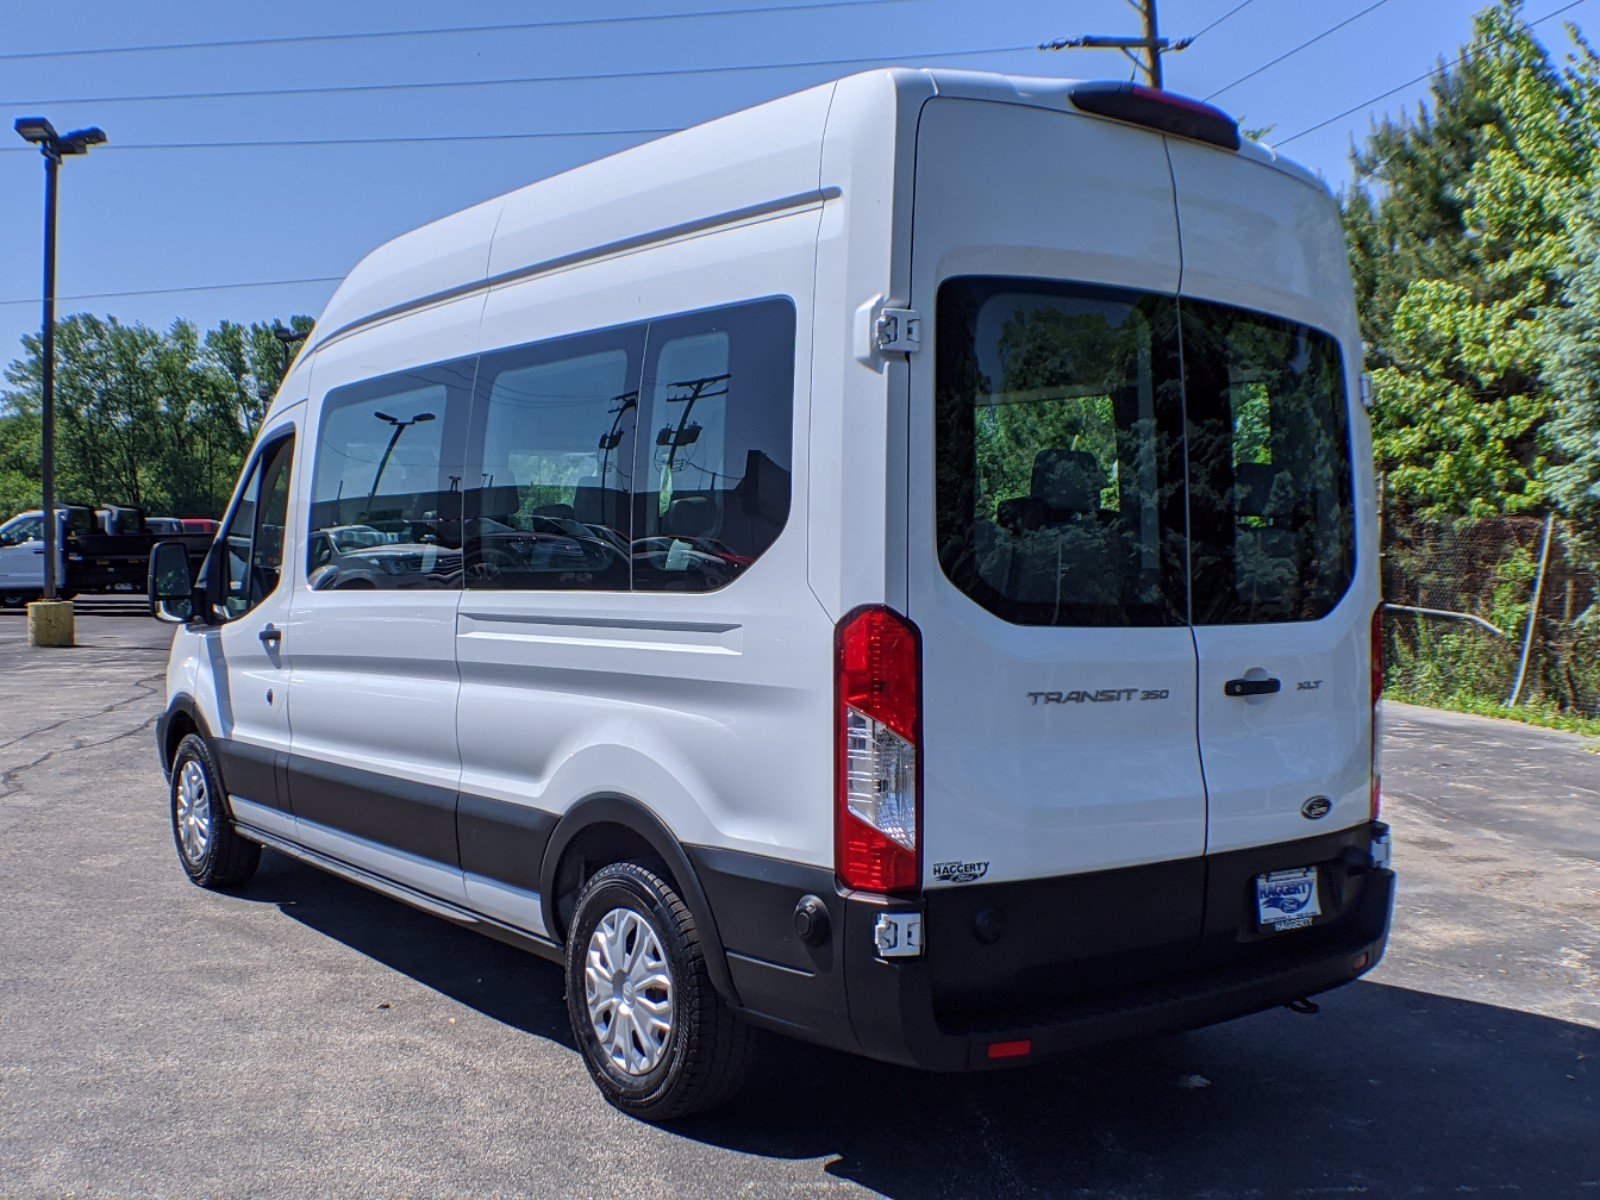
column 1288, row 899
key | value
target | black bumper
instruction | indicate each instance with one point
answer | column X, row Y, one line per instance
column 1041, row 981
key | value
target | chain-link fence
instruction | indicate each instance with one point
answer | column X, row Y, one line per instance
column 1461, row 595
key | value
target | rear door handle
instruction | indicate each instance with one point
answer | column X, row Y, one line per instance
column 1252, row 687
column 271, row 635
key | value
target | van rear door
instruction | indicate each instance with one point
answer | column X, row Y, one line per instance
column 1046, row 526
column 1280, row 518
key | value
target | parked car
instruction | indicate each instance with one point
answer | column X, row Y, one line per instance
column 992, row 671
column 359, row 556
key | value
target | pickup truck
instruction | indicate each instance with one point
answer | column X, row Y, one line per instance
column 102, row 550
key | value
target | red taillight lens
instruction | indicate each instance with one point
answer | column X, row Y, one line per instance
column 1377, row 710
column 1018, row 1049
column 878, row 722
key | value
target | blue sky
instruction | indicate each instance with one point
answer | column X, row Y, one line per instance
column 138, row 219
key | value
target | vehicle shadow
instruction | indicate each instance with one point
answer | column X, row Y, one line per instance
column 1387, row 1091
column 497, row 980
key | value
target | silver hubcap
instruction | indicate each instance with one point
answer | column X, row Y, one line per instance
column 193, row 812
column 627, row 985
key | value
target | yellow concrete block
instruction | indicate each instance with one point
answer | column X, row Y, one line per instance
column 50, row 623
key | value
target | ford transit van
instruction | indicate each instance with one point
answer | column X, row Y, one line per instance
column 895, row 567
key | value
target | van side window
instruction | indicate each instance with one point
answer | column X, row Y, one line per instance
column 1059, row 451
column 717, row 414
column 1269, row 442
column 552, row 464
column 385, row 500
column 253, row 544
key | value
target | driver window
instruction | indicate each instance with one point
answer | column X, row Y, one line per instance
column 22, row 532
column 253, row 544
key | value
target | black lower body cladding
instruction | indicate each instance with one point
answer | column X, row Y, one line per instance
column 1056, row 963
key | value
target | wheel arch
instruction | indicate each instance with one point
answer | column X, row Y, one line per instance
column 181, row 718
column 620, row 828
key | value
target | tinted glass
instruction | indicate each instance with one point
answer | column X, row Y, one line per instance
column 717, row 403
column 236, row 544
column 1269, row 446
column 1060, row 476
column 266, row 553
column 386, row 490
column 552, row 431
column 252, row 547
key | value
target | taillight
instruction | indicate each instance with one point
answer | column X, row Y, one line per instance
column 1377, row 710
column 878, row 722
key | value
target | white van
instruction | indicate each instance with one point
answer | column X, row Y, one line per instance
column 895, row 567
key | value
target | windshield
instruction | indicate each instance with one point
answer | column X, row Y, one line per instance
column 1110, row 457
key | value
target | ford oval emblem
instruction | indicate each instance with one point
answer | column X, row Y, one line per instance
column 1316, row 808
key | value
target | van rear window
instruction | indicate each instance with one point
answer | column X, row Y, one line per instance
column 1272, row 530
column 1098, row 468
column 1060, row 470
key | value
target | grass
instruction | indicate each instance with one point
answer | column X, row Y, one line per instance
column 1533, row 714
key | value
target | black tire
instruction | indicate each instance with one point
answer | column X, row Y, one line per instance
column 709, row 1051
column 226, row 859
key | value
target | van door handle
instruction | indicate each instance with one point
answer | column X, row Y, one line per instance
column 1252, row 687
column 271, row 635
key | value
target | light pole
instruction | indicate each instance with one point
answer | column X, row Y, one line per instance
column 287, row 339
column 400, row 426
column 54, row 147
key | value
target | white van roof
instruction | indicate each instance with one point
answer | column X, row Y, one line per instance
column 758, row 160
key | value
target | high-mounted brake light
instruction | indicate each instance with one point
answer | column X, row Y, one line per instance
column 1377, row 710
column 878, row 723
column 1156, row 109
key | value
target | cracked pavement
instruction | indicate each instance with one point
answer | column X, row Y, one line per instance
column 303, row 1037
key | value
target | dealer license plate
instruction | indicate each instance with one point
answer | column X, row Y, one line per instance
column 1287, row 899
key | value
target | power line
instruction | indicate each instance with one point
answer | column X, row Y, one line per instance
column 207, row 287
column 1195, row 37
column 370, row 141
column 1549, row 16
column 347, row 89
column 304, row 39
column 1297, row 49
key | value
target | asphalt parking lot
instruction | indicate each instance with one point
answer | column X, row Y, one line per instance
column 305, row 1037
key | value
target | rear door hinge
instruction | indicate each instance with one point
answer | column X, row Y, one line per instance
column 897, row 331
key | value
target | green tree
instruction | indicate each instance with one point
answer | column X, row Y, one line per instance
column 159, row 420
column 1457, row 226
column 1569, row 342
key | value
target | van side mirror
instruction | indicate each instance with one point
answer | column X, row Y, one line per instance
column 172, row 592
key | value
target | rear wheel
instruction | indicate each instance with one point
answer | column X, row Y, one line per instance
column 655, row 1035
column 212, row 853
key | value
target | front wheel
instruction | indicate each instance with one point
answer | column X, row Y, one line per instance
column 212, row 852
column 655, row 1035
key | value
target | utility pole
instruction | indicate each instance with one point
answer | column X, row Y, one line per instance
column 1153, row 45
column 1150, row 47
